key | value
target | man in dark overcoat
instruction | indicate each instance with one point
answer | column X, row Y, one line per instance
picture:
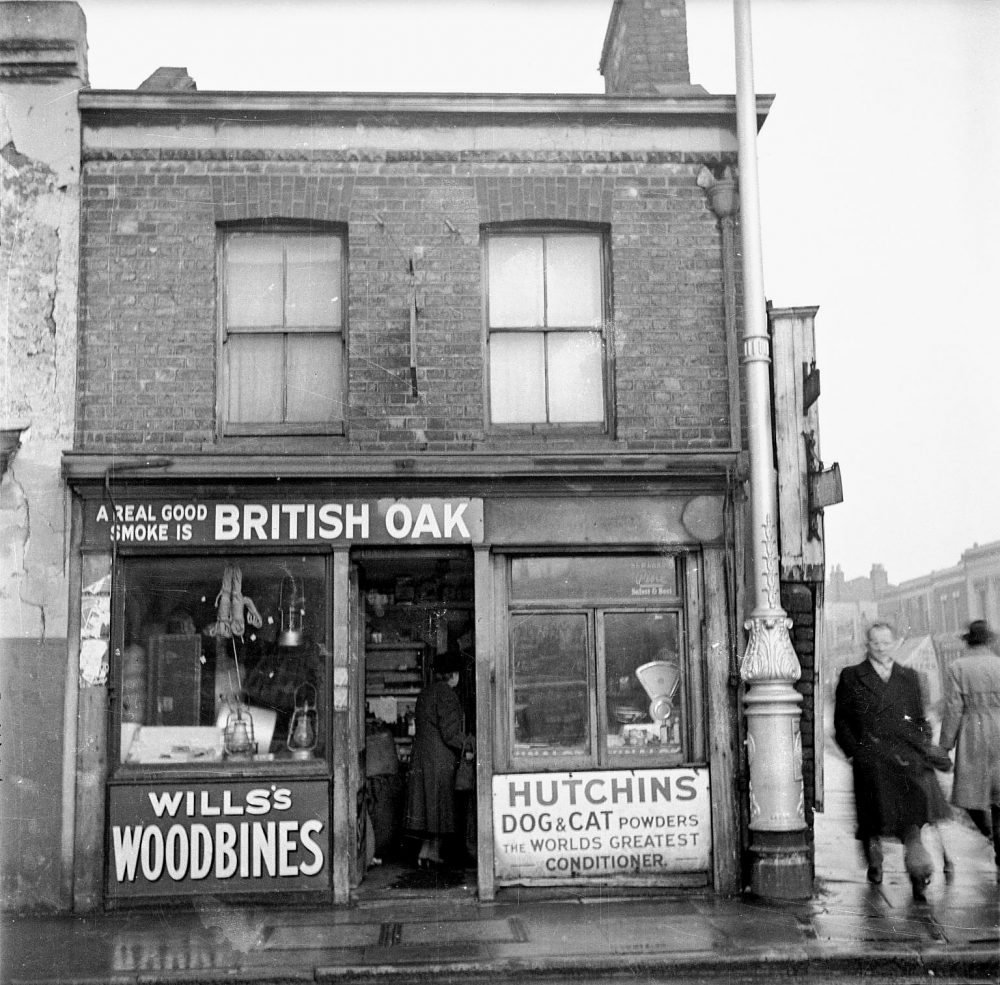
column 879, row 723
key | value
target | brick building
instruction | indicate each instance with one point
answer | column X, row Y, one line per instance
column 943, row 601
column 369, row 381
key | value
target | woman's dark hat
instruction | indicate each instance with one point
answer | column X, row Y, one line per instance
column 979, row 633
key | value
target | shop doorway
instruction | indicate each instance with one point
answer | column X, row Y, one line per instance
column 414, row 620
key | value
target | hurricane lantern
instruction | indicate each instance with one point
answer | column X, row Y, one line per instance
column 292, row 610
column 237, row 735
column 302, row 729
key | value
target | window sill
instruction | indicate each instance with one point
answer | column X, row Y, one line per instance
column 541, row 429
column 330, row 429
column 222, row 769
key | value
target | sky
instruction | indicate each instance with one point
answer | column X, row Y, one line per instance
column 880, row 198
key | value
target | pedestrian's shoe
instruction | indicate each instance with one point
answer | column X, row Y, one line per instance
column 918, row 862
column 875, row 874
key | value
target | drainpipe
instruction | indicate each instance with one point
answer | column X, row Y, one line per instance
column 779, row 851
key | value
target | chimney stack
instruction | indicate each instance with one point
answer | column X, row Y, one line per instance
column 645, row 48
column 879, row 580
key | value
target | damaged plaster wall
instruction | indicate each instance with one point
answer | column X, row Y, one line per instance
column 42, row 68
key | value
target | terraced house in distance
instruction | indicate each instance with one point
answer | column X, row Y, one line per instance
column 364, row 380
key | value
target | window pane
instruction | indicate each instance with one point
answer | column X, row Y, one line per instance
column 314, row 377
column 256, row 367
column 184, row 668
column 573, row 281
column 517, row 377
column 551, row 693
column 253, row 281
column 515, row 277
column 576, row 376
column 593, row 577
column 314, row 281
column 643, row 670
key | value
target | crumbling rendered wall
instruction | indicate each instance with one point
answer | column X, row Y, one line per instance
column 41, row 70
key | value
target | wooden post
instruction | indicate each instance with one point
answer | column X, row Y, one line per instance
column 91, row 768
column 723, row 748
column 343, row 793
column 486, row 649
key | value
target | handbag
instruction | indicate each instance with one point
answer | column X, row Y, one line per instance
column 465, row 772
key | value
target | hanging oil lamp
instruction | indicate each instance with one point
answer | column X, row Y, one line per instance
column 302, row 729
column 237, row 735
column 292, row 610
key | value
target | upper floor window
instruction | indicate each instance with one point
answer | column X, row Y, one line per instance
column 282, row 331
column 546, row 322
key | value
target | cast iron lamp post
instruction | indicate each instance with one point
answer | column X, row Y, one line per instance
column 780, row 863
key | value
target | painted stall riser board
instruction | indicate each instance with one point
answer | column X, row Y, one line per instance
column 601, row 824
column 223, row 838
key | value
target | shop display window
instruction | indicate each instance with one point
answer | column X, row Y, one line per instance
column 551, row 681
column 222, row 659
column 597, row 661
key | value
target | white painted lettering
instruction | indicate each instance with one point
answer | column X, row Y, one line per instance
column 357, row 517
column 254, row 522
column 453, row 520
column 398, row 520
column 308, row 844
column 426, row 523
column 330, row 525
column 126, row 843
column 227, row 521
column 166, row 803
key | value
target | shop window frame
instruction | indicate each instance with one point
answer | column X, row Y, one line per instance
column 543, row 228
column 687, row 604
column 221, row 769
column 225, row 428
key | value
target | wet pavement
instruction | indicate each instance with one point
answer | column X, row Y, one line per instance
column 848, row 928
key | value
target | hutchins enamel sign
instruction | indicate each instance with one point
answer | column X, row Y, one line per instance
column 155, row 522
column 601, row 825
column 244, row 837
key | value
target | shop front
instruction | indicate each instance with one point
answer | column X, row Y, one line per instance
column 262, row 655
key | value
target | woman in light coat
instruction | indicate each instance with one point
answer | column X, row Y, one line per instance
column 972, row 720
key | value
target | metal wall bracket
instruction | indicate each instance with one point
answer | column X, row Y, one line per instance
column 825, row 486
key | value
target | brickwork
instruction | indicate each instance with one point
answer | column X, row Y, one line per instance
column 799, row 600
column 147, row 365
column 645, row 51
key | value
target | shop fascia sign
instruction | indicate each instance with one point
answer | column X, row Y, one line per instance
column 155, row 522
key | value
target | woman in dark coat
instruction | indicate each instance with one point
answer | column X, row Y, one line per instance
column 430, row 799
column 879, row 724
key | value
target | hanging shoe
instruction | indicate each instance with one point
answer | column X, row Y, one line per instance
column 251, row 615
column 236, row 623
column 222, row 627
